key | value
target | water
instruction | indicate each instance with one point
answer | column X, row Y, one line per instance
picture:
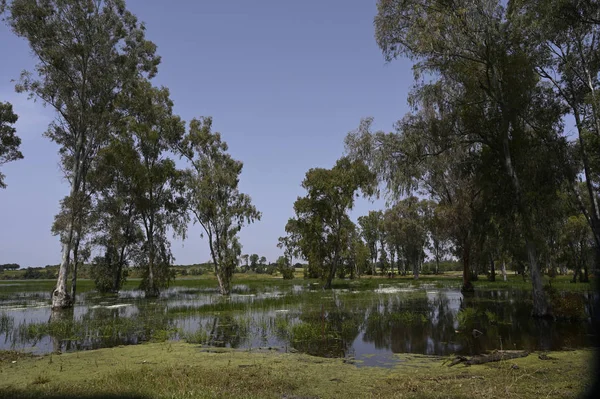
column 367, row 323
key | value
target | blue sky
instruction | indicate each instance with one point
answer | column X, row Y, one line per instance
column 284, row 81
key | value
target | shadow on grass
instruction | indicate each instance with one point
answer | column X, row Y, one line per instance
column 35, row 394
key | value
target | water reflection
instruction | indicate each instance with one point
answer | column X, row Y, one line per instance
column 344, row 323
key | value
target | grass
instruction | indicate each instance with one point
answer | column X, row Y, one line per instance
column 179, row 370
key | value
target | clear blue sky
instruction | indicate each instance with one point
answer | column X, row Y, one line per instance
column 284, row 81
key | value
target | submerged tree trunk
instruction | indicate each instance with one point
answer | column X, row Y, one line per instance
column 75, row 264
column 467, row 286
column 541, row 307
column 60, row 297
column 492, row 276
column 119, row 271
column 416, row 268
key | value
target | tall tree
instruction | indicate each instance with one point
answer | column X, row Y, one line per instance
column 214, row 198
column 488, row 69
column 254, row 261
column 289, row 248
column 407, row 222
column 370, row 230
column 157, row 188
column 88, row 52
column 322, row 215
column 9, row 141
column 117, row 230
column 566, row 37
column 437, row 227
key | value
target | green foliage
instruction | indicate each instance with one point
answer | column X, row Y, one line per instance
column 9, row 266
column 322, row 229
column 285, row 268
column 107, row 273
column 214, row 198
column 89, row 57
column 370, row 230
column 9, row 141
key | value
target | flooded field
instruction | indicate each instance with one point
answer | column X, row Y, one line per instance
column 359, row 321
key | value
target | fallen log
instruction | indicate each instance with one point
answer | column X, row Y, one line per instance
column 492, row 357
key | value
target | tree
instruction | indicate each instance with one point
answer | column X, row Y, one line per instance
column 289, row 248
column 245, row 260
column 285, row 268
column 214, row 197
column 577, row 241
column 88, row 53
column 254, row 261
column 322, row 221
column 437, row 227
column 157, row 186
column 9, row 141
column 117, row 229
column 362, row 256
column 510, row 120
column 370, row 230
column 407, row 221
column 565, row 35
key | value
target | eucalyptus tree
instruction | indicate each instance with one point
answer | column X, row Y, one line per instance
column 214, row 198
column 322, row 221
column 118, row 227
column 436, row 220
column 566, row 36
column 157, row 187
column 510, row 120
column 410, row 227
column 369, row 229
column 392, row 223
column 9, row 141
column 423, row 155
column 254, row 261
column 578, row 240
column 88, row 52
column 288, row 245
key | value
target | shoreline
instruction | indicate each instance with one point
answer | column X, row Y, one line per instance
column 182, row 370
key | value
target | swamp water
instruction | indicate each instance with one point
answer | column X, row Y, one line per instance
column 364, row 324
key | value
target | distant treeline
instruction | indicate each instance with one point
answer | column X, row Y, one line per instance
column 9, row 266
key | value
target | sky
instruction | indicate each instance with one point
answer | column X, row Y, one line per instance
column 284, row 81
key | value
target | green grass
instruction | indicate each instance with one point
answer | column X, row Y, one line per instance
column 179, row 370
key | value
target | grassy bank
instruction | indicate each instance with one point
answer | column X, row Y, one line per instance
column 180, row 370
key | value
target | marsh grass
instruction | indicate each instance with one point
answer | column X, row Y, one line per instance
column 178, row 370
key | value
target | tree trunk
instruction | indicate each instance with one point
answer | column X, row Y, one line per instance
column 60, row 297
column 75, row 264
column 151, row 290
column 332, row 270
column 416, row 268
column 504, row 270
column 541, row 307
column 467, row 286
column 593, row 217
column 492, row 276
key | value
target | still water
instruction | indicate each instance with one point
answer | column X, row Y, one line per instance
column 364, row 323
